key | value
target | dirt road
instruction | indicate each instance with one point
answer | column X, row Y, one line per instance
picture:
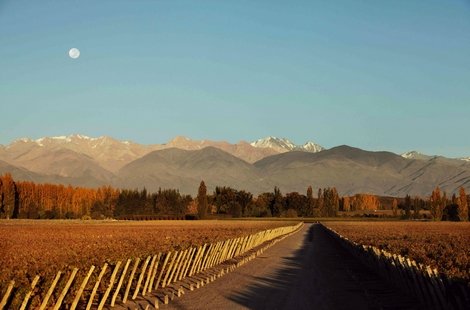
column 308, row 270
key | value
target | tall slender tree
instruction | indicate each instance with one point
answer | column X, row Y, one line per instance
column 8, row 196
column 347, row 203
column 278, row 202
column 407, row 207
column 310, row 201
column 436, row 205
column 462, row 203
column 202, row 200
column 416, row 207
column 395, row 207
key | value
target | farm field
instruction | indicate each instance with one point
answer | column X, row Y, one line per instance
column 442, row 245
column 30, row 248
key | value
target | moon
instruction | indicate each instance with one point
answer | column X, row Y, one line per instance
column 74, row 53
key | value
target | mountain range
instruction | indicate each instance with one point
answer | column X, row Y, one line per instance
column 258, row 166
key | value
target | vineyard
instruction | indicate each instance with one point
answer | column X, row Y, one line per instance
column 40, row 248
column 445, row 246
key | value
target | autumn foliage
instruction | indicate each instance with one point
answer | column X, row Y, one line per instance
column 22, row 199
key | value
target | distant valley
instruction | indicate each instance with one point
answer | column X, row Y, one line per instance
column 258, row 166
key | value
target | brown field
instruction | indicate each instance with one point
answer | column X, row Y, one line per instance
column 443, row 245
column 30, row 248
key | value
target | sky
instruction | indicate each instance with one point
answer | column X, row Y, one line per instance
column 377, row 75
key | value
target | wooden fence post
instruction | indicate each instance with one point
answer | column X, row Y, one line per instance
column 205, row 249
column 180, row 265
column 49, row 292
column 233, row 245
column 169, row 269
column 435, row 290
column 163, row 269
column 95, row 288
column 188, row 263
column 155, row 269
column 118, row 288
column 196, row 260
column 28, row 295
column 7, row 294
column 205, row 257
column 65, row 290
column 221, row 253
column 149, row 275
column 82, row 287
column 141, row 276
column 174, row 268
column 212, row 255
column 110, row 286
column 227, row 250
column 189, row 259
column 131, row 278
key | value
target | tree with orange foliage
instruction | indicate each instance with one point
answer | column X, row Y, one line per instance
column 462, row 203
column 436, row 205
column 395, row 207
column 347, row 203
column 8, row 196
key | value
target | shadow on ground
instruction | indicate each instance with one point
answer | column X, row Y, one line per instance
column 321, row 274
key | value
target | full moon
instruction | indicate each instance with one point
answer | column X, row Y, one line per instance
column 74, row 53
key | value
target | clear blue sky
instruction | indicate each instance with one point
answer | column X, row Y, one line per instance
column 378, row 75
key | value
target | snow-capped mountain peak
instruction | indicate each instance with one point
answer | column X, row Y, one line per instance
column 465, row 158
column 411, row 154
column 312, row 147
column 284, row 145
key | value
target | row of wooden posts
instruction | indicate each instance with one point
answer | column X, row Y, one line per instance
column 432, row 288
column 141, row 276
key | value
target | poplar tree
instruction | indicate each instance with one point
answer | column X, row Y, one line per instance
column 277, row 207
column 347, row 203
column 320, row 203
column 407, row 207
column 310, row 201
column 416, row 208
column 202, row 200
column 395, row 207
column 436, row 204
column 462, row 203
column 7, row 196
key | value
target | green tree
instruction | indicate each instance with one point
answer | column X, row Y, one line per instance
column 202, row 200
column 310, row 201
column 277, row 203
column 407, row 207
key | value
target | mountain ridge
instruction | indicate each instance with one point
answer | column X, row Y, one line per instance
column 182, row 163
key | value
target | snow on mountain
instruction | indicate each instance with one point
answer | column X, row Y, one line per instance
column 418, row 155
column 412, row 154
column 312, row 147
column 284, row 145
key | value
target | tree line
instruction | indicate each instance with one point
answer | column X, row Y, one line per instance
column 327, row 203
column 22, row 199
